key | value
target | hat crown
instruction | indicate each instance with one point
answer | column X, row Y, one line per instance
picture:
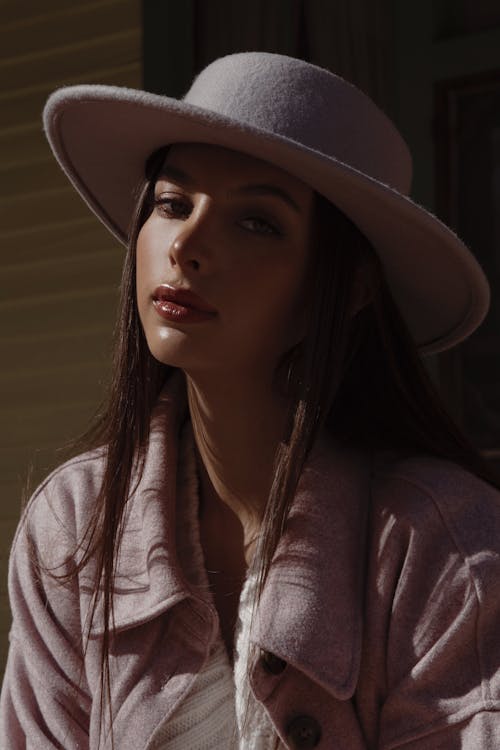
column 294, row 99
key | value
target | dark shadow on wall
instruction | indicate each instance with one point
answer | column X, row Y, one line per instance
column 350, row 37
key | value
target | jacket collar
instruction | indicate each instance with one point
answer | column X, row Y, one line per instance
column 310, row 613
column 312, row 601
column 149, row 578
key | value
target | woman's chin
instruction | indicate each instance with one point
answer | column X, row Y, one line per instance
column 172, row 347
column 202, row 356
column 181, row 354
column 171, row 357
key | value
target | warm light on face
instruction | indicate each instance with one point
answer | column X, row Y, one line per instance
column 222, row 261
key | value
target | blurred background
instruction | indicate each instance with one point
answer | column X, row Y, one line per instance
column 432, row 65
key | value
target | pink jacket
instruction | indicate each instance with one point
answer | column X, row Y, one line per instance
column 379, row 625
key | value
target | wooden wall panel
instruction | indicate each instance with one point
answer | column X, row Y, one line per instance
column 59, row 268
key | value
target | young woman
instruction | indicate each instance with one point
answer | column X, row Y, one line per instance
column 277, row 537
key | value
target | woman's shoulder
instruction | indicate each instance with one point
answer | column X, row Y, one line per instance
column 433, row 500
column 432, row 611
column 87, row 466
column 64, row 500
column 425, row 479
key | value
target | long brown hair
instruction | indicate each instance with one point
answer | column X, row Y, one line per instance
column 357, row 373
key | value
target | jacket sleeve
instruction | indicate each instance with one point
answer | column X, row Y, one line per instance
column 44, row 701
column 433, row 636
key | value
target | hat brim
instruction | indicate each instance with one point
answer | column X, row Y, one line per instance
column 103, row 135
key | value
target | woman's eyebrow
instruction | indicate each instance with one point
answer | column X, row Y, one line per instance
column 169, row 172
column 265, row 189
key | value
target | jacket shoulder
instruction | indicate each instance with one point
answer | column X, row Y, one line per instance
column 431, row 649
column 60, row 508
column 425, row 492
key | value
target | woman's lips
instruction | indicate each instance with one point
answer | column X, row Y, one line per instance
column 181, row 305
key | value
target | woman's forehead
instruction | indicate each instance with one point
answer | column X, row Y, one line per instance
column 193, row 159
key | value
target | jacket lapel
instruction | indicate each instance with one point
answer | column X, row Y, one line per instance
column 311, row 608
column 149, row 579
column 310, row 613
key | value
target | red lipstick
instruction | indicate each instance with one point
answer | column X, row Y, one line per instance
column 181, row 305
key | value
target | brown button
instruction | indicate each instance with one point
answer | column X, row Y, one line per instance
column 303, row 732
column 272, row 663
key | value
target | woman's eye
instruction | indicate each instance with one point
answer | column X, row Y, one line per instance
column 259, row 225
column 173, row 208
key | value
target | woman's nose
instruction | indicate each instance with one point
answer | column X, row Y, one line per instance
column 190, row 247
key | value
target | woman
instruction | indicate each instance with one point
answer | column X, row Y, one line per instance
column 278, row 537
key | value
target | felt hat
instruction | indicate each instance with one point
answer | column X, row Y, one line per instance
column 305, row 120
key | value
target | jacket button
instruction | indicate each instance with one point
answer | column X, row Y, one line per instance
column 303, row 732
column 272, row 663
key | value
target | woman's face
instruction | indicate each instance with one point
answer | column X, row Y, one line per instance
column 234, row 232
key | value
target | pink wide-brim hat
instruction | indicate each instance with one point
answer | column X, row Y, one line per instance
column 305, row 120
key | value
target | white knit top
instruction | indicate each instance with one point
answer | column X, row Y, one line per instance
column 213, row 716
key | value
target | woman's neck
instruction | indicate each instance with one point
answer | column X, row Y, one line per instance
column 237, row 427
